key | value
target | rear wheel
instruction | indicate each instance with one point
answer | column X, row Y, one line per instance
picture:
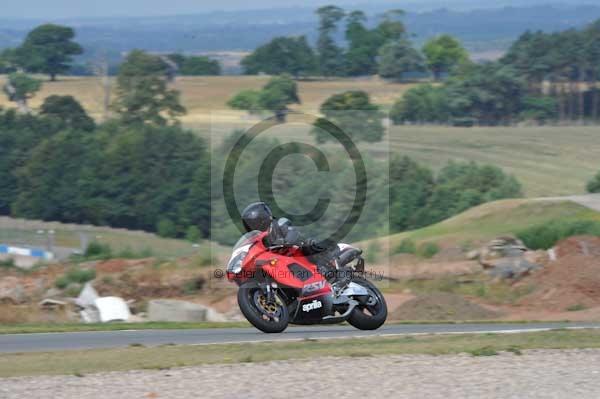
column 372, row 314
column 267, row 316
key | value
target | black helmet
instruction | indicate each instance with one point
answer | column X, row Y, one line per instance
column 257, row 216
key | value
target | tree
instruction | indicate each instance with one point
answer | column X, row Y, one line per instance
column 491, row 93
column 391, row 28
column 592, row 34
column 354, row 114
column 532, row 56
column 593, row 185
column 420, row 104
column 19, row 135
column 50, row 184
column 200, row 66
column 443, row 53
column 245, row 100
column 541, row 109
column 363, row 44
column 142, row 92
column 281, row 55
column 275, row 96
column 130, row 176
column 460, row 186
column 330, row 56
column 48, row 49
column 410, row 188
column 397, row 58
column 8, row 61
column 68, row 111
column 20, row 88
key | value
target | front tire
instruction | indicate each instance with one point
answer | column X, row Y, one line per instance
column 369, row 317
column 267, row 317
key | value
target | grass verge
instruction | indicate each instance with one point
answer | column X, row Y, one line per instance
column 79, row 327
column 163, row 357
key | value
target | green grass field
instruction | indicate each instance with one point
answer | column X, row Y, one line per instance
column 549, row 161
column 491, row 220
column 31, row 232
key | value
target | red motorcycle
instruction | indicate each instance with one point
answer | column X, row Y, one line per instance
column 279, row 285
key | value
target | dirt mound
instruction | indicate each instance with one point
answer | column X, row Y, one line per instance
column 572, row 281
column 442, row 306
column 578, row 245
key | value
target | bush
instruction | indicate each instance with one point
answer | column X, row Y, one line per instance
column 166, row 228
column 485, row 351
column 61, row 282
column 428, row 250
column 593, row 185
column 75, row 275
column 205, row 259
column 97, row 250
column 407, row 246
column 7, row 263
column 81, row 275
column 373, row 251
column 545, row 236
column 192, row 234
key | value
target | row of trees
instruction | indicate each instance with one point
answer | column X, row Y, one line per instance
column 140, row 170
column 384, row 49
column 195, row 65
column 542, row 78
column 351, row 111
column 49, row 49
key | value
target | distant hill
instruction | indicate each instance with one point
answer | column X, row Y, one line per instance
column 482, row 30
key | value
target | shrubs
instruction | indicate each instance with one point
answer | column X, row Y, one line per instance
column 193, row 234
column 7, row 263
column 166, row 228
column 428, row 250
column 97, row 250
column 593, row 185
column 546, row 235
column 406, row 246
column 75, row 275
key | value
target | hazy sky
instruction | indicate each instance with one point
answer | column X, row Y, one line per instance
column 78, row 8
column 53, row 9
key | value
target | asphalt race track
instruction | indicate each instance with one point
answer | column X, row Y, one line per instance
column 11, row 343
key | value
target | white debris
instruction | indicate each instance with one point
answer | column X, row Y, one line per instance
column 87, row 296
column 112, row 308
column 101, row 309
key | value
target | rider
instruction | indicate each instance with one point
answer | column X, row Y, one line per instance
column 258, row 216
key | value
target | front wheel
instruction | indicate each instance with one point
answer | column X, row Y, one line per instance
column 267, row 316
column 373, row 313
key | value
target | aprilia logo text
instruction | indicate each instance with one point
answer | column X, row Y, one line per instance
column 313, row 305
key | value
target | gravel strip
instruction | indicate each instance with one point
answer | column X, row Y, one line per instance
column 535, row 374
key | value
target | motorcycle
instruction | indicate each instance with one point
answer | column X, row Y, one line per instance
column 280, row 285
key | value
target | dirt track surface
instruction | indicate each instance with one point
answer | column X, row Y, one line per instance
column 535, row 374
column 591, row 201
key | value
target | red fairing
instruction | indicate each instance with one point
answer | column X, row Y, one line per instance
column 289, row 269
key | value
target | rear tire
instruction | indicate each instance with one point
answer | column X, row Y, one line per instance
column 376, row 315
column 268, row 322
